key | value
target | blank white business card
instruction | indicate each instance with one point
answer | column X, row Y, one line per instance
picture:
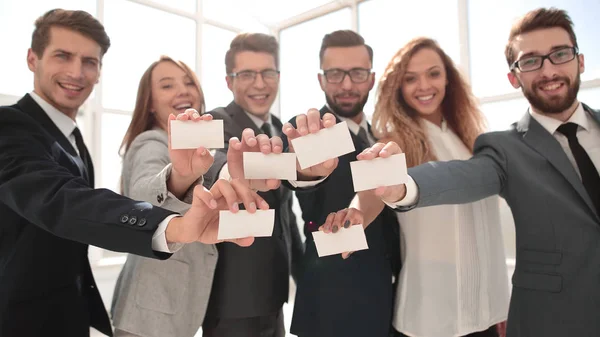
column 192, row 134
column 281, row 166
column 328, row 143
column 370, row 174
column 349, row 239
column 243, row 224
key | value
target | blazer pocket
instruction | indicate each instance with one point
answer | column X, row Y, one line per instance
column 162, row 286
column 537, row 281
column 540, row 257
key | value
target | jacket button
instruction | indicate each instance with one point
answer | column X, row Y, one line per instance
column 142, row 222
column 132, row 220
column 160, row 198
column 124, row 218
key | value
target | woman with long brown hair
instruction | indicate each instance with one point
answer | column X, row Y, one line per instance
column 164, row 298
column 453, row 280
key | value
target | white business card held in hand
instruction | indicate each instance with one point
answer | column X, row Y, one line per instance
column 243, row 224
column 192, row 134
column 281, row 166
column 349, row 239
column 328, row 143
column 370, row 174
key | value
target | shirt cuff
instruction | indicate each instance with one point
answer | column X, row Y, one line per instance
column 159, row 239
column 310, row 183
column 411, row 197
column 224, row 173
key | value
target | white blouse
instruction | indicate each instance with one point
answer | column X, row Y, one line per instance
column 454, row 277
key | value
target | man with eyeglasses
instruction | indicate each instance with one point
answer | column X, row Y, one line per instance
column 251, row 285
column 352, row 297
column 547, row 167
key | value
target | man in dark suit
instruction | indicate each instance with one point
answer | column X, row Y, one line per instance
column 547, row 167
column 49, row 209
column 253, row 307
column 352, row 297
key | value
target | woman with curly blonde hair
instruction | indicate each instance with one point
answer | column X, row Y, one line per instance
column 453, row 280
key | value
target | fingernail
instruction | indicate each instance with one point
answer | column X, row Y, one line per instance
column 347, row 224
column 196, row 115
column 264, row 204
column 334, row 228
column 252, row 206
column 235, row 207
column 303, row 130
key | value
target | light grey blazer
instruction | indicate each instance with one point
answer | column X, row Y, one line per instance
column 556, row 284
column 155, row 298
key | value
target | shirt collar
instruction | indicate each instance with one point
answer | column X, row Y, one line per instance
column 63, row 122
column 258, row 121
column 352, row 124
column 433, row 127
column 578, row 117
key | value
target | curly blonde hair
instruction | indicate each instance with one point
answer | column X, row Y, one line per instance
column 394, row 120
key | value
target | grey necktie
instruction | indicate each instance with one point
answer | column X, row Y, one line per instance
column 362, row 134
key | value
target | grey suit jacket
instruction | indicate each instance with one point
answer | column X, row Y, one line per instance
column 167, row 299
column 556, row 284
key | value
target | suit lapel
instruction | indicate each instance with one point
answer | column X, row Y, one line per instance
column 241, row 119
column 545, row 144
column 30, row 107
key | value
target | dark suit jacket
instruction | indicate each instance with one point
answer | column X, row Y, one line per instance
column 50, row 213
column 556, row 281
column 352, row 297
column 286, row 228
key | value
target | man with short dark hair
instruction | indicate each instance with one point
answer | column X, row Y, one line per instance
column 353, row 297
column 253, row 307
column 49, row 209
column 547, row 167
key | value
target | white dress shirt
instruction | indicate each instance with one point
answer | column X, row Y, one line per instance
column 354, row 128
column 453, row 280
column 588, row 134
column 66, row 125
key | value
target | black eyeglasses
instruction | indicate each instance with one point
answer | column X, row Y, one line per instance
column 357, row 75
column 268, row 75
column 531, row 63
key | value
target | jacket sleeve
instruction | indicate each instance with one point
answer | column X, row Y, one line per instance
column 35, row 185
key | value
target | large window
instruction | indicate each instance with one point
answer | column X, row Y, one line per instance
column 489, row 27
column 299, row 60
column 392, row 18
column 16, row 25
column 137, row 41
column 215, row 43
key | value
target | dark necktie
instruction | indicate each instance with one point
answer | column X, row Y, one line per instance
column 82, row 151
column 266, row 127
column 362, row 134
column 589, row 173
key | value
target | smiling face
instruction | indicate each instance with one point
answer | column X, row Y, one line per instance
column 552, row 89
column 173, row 91
column 255, row 96
column 67, row 70
column 424, row 84
column 347, row 98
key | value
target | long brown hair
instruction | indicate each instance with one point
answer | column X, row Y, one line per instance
column 395, row 120
column 143, row 119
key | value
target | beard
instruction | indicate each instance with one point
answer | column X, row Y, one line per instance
column 555, row 104
column 346, row 110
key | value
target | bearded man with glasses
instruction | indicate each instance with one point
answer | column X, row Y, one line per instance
column 352, row 297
